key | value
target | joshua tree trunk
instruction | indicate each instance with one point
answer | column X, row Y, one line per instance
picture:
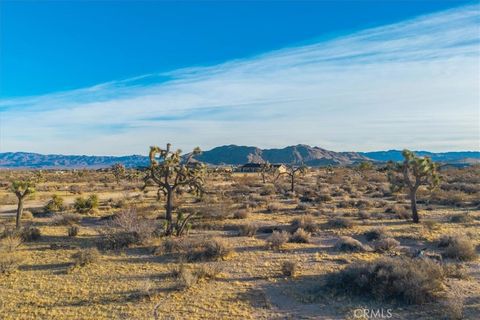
column 19, row 213
column 413, row 204
column 292, row 183
column 169, row 209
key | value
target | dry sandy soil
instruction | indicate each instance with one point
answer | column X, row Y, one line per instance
column 136, row 282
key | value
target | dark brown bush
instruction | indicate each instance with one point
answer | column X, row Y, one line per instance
column 376, row 233
column 277, row 240
column 386, row 244
column 305, row 222
column 340, row 223
column 289, row 268
column 300, row 236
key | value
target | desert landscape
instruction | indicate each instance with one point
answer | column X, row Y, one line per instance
column 95, row 244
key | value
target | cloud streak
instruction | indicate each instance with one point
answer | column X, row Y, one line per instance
column 412, row 84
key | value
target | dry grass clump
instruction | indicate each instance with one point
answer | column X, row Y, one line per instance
column 349, row 244
column 66, row 219
column 376, row 233
column 241, row 214
column 208, row 250
column 247, row 230
column 305, row 222
column 386, row 244
column 277, row 240
column 458, row 247
column 273, row 207
column 10, row 243
column 125, row 229
column 289, row 268
column 340, row 223
column 187, row 277
column 85, row 257
column 300, row 236
column 411, row 281
column 27, row 215
column 9, row 262
column 461, row 218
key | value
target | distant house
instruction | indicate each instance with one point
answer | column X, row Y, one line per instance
column 257, row 167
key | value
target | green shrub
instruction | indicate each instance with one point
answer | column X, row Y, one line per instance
column 83, row 205
column 55, row 204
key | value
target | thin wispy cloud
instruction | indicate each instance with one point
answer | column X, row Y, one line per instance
column 413, row 84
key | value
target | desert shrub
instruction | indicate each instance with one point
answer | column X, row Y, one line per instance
column 324, row 197
column 400, row 211
column 73, row 231
column 340, row 223
column 66, row 219
column 349, row 244
column 185, row 277
column 300, row 236
column 430, row 224
column 241, row 214
column 83, row 205
column 208, row 250
column 55, row 204
column 30, row 234
column 273, row 207
column 302, row 207
column 10, row 243
column 461, row 218
column 458, row 247
column 364, row 215
column 248, row 230
column 376, row 233
column 411, row 281
column 27, row 215
column 85, row 257
column 9, row 262
column 208, row 271
column 277, row 240
column 386, row 244
column 126, row 228
column 289, row 268
column 305, row 222
column 117, row 240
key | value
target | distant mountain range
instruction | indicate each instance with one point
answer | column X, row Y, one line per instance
column 233, row 155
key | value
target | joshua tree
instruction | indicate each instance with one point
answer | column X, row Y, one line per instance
column 119, row 171
column 265, row 169
column 294, row 171
column 21, row 189
column 170, row 175
column 410, row 175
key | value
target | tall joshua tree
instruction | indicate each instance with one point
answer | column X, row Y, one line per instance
column 169, row 174
column 293, row 172
column 410, row 175
column 21, row 189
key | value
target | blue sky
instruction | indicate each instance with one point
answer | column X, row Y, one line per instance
column 115, row 77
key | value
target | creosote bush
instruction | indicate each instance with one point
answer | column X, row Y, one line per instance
column 55, row 204
column 83, row 205
column 30, row 234
column 66, row 219
column 277, row 240
column 411, row 281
